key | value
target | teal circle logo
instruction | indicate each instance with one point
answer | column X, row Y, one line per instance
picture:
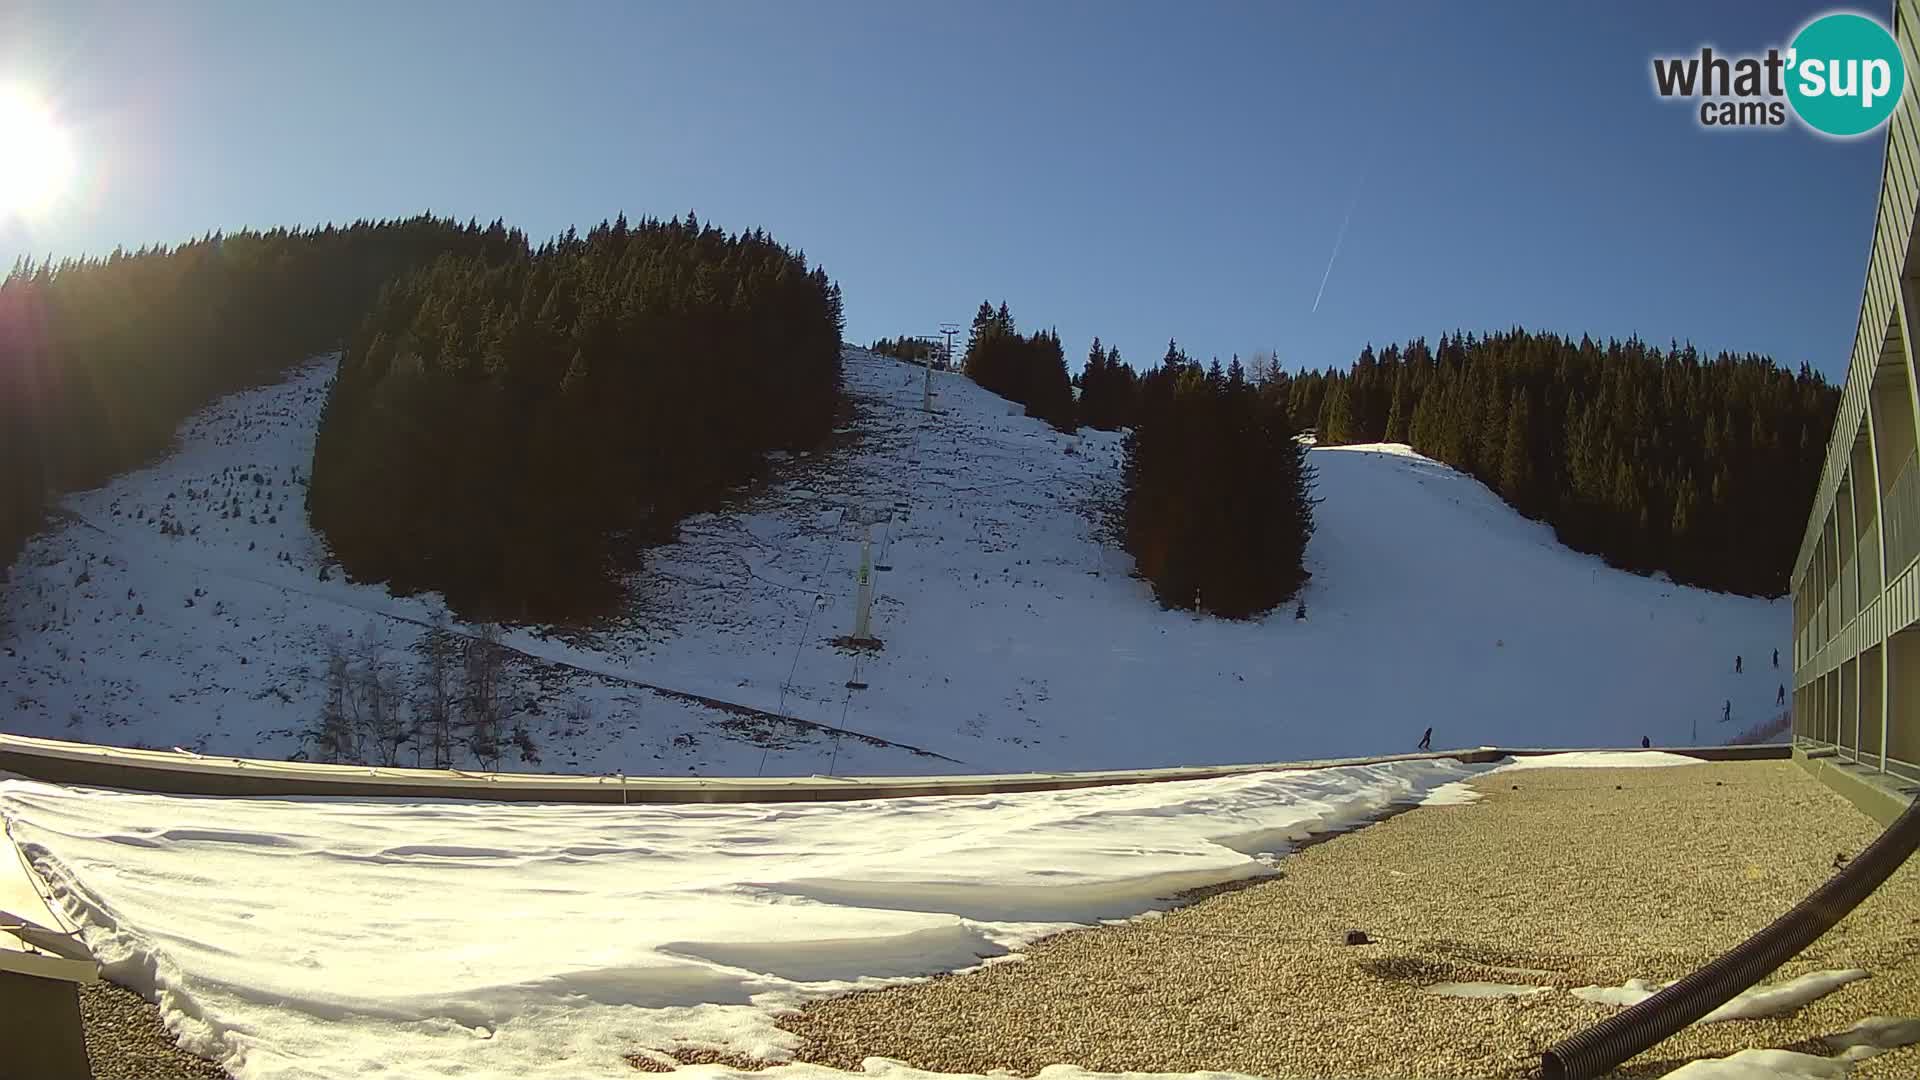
column 1845, row 74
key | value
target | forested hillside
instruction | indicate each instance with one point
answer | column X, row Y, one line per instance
column 100, row 359
column 1215, row 499
column 508, row 431
column 1657, row 460
column 1703, row 467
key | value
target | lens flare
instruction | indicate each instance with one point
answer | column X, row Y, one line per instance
column 36, row 157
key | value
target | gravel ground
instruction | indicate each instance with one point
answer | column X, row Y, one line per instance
column 1557, row 877
column 125, row 1039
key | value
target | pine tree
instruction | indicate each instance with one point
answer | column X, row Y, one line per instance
column 1093, row 382
column 1336, row 415
column 1217, row 507
column 1119, row 391
column 1516, row 464
column 1049, row 390
column 1175, row 360
column 982, row 324
column 1399, row 415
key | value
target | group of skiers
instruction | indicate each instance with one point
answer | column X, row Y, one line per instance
column 1726, row 710
column 1739, row 667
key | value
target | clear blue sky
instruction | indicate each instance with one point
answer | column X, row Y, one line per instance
column 1131, row 170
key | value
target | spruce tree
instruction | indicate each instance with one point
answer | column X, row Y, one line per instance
column 1094, row 410
column 1399, row 415
column 1217, row 508
column 1516, row 466
column 1336, row 415
column 1049, row 390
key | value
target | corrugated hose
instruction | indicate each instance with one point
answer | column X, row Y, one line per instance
column 1619, row 1037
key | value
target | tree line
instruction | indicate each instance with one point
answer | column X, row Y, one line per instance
column 1657, row 460
column 1654, row 459
column 102, row 358
column 912, row 349
column 1029, row 369
column 513, row 428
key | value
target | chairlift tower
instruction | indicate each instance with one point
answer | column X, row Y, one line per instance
column 863, row 598
column 866, row 518
column 949, row 329
column 926, row 387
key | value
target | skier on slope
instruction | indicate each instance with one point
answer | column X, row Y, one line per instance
column 1776, row 658
column 1726, row 712
column 1645, row 743
column 1426, row 741
column 1736, row 665
column 1780, row 695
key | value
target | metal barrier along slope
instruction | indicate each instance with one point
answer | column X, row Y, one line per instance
column 184, row 773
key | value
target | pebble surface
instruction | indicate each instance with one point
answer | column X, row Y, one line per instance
column 126, row 1040
column 1556, row 877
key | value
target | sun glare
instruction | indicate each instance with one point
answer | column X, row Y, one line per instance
column 36, row 159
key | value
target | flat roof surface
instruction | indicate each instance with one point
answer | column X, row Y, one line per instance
column 1557, row 878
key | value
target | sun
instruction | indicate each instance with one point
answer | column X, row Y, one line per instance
column 36, row 158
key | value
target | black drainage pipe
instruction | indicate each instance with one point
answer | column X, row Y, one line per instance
column 1632, row 1030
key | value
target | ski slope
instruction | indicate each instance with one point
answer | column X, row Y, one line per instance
column 1013, row 639
column 300, row 939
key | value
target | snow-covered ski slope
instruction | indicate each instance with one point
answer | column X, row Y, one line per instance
column 1013, row 640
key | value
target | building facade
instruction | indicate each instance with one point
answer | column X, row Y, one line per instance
column 1856, row 587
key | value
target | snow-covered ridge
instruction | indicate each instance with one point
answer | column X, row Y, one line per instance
column 1014, row 640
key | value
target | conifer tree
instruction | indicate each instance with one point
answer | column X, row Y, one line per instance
column 1049, row 390
column 1516, row 467
column 1217, row 505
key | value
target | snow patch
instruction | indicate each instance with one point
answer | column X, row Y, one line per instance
column 305, row 937
column 1484, row 990
column 1457, row 794
column 1873, row 1036
column 1754, row 1003
column 1598, row 759
column 1763, row 1065
column 1760, row 1002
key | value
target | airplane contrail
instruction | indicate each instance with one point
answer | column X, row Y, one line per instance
column 1341, row 237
